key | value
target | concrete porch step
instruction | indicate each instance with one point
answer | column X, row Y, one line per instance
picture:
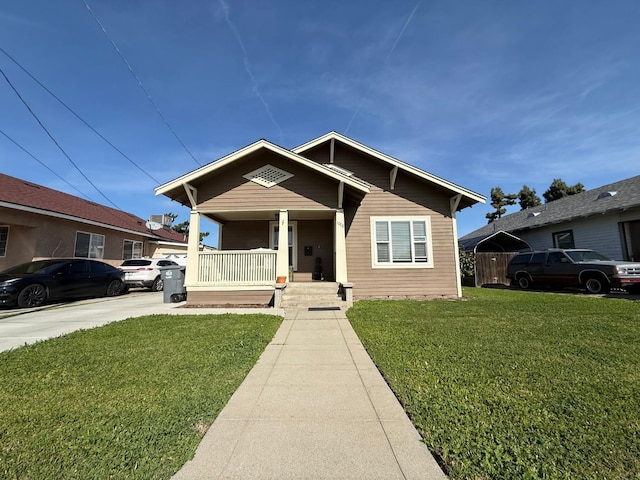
column 312, row 287
column 312, row 294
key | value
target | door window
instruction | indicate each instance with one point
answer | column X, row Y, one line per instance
column 292, row 239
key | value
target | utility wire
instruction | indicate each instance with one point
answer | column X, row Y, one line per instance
column 43, row 164
column 78, row 116
column 166, row 122
column 54, row 140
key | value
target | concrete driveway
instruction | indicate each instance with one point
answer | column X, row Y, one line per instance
column 23, row 326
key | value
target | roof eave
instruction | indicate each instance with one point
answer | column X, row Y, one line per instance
column 457, row 189
column 228, row 159
column 66, row 216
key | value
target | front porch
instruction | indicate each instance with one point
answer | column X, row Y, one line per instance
column 289, row 247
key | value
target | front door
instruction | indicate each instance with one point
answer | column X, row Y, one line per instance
column 292, row 236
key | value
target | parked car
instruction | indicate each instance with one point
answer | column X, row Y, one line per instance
column 179, row 257
column 145, row 272
column 573, row 267
column 31, row 284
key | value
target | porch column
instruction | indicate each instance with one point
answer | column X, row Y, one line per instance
column 454, row 202
column 193, row 249
column 340, row 247
column 282, row 264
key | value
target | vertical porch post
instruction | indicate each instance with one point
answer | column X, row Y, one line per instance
column 455, row 201
column 340, row 247
column 193, row 249
column 282, row 263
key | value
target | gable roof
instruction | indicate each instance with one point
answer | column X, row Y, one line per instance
column 614, row 197
column 27, row 196
column 470, row 196
column 186, row 179
column 297, row 155
column 496, row 242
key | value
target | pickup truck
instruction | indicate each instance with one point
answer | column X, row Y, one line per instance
column 573, row 268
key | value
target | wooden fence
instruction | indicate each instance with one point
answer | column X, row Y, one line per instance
column 491, row 268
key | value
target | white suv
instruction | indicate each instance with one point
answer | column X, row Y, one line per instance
column 145, row 272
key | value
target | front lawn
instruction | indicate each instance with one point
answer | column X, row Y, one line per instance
column 130, row 400
column 511, row 384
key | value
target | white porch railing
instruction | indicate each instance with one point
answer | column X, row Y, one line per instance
column 237, row 267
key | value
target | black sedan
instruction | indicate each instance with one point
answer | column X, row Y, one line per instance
column 31, row 284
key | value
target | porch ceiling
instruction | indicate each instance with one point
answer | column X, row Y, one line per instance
column 267, row 215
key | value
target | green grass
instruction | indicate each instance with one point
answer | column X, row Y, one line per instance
column 515, row 384
column 128, row 400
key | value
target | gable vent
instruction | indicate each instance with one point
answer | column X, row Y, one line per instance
column 343, row 171
column 606, row 194
column 268, row 176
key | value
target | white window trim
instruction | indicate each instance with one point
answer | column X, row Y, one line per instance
column 6, row 245
column 294, row 227
column 556, row 238
column 91, row 235
column 374, row 256
column 133, row 243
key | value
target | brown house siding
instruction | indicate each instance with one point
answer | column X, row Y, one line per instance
column 230, row 298
column 401, row 282
column 245, row 235
column 409, row 197
column 232, row 192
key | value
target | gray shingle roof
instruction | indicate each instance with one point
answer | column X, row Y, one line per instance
column 597, row 201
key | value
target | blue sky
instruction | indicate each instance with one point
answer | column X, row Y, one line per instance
column 483, row 94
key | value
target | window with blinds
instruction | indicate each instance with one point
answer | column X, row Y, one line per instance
column 401, row 241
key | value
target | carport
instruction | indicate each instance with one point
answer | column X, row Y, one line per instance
column 491, row 256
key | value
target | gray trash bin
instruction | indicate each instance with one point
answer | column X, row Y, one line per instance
column 173, row 279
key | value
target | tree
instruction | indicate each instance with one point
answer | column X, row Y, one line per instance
column 559, row 189
column 499, row 200
column 467, row 262
column 528, row 198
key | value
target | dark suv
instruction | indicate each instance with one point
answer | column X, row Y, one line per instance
column 576, row 268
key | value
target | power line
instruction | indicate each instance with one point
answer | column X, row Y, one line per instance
column 43, row 164
column 54, row 140
column 166, row 122
column 77, row 115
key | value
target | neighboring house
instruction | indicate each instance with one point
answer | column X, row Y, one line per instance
column 332, row 209
column 39, row 222
column 605, row 219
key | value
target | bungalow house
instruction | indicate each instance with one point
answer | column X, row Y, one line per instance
column 605, row 219
column 332, row 210
column 39, row 222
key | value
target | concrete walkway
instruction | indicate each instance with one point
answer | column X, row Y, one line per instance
column 313, row 407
